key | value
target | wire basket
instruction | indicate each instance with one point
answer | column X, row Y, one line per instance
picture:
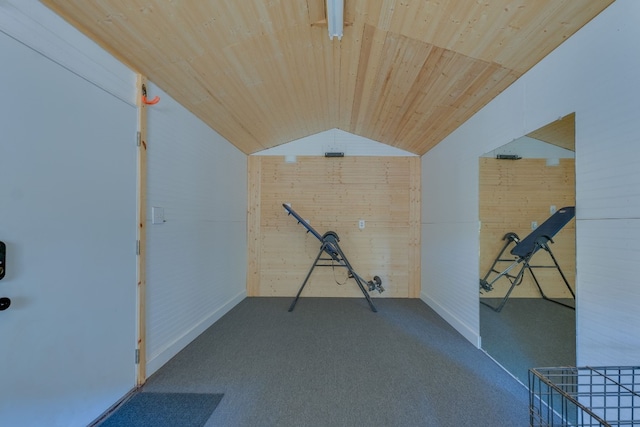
column 584, row 397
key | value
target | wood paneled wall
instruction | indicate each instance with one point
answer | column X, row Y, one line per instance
column 334, row 194
column 512, row 195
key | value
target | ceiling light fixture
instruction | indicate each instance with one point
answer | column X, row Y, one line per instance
column 335, row 18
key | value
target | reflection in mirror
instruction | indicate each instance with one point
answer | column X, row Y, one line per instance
column 527, row 318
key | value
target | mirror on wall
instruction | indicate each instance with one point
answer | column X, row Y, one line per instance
column 527, row 250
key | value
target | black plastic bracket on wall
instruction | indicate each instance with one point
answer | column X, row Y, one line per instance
column 3, row 256
column 4, row 301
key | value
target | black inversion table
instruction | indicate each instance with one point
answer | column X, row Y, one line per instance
column 331, row 248
column 523, row 251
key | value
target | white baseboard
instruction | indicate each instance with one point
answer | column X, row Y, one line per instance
column 461, row 327
column 163, row 357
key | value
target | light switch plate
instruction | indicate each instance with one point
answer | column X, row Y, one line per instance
column 157, row 215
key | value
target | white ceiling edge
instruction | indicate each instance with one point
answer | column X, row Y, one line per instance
column 334, row 140
column 530, row 148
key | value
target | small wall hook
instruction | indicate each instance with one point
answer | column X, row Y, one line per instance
column 147, row 101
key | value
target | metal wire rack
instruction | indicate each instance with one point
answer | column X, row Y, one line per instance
column 585, row 396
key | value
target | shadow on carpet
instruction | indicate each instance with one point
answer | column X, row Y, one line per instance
column 164, row 409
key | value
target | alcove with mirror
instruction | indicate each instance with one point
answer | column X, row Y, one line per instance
column 525, row 185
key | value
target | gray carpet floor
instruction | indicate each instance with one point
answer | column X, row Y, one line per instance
column 529, row 333
column 333, row 362
column 164, row 410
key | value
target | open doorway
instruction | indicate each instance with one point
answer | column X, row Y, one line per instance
column 522, row 185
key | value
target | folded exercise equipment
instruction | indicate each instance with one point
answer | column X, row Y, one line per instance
column 331, row 248
column 524, row 250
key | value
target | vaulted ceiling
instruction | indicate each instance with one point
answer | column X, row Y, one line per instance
column 264, row 72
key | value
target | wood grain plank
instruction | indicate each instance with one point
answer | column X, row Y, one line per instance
column 141, row 196
column 265, row 73
column 335, row 195
column 254, row 231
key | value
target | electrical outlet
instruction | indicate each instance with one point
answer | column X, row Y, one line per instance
column 361, row 224
column 534, row 225
column 552, row 209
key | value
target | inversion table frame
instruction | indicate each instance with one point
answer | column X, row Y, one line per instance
column 524, row 250
column 331, row 247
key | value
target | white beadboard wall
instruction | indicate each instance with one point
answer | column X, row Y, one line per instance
column 68, row 218
column 609, row 254
column 35, row 26
column 530, row 148
column 196, row 260
column 451, row 236
column 334, row 140
column 446, row 259
column 594, row 74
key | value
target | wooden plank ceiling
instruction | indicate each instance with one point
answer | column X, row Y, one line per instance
column 264, row 72
column 562, row 132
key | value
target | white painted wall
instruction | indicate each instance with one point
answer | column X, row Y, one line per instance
column 595, row 74
column 34, row 25
column 334, row 140
column 67, row 215
column 530, row 148
column 197, row 259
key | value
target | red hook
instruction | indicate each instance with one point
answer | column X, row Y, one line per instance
column 144, row 97
column 153, row 101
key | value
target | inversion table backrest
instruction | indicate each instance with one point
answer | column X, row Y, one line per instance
column 329, row 240
column 549, row 228
column 304, row 223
